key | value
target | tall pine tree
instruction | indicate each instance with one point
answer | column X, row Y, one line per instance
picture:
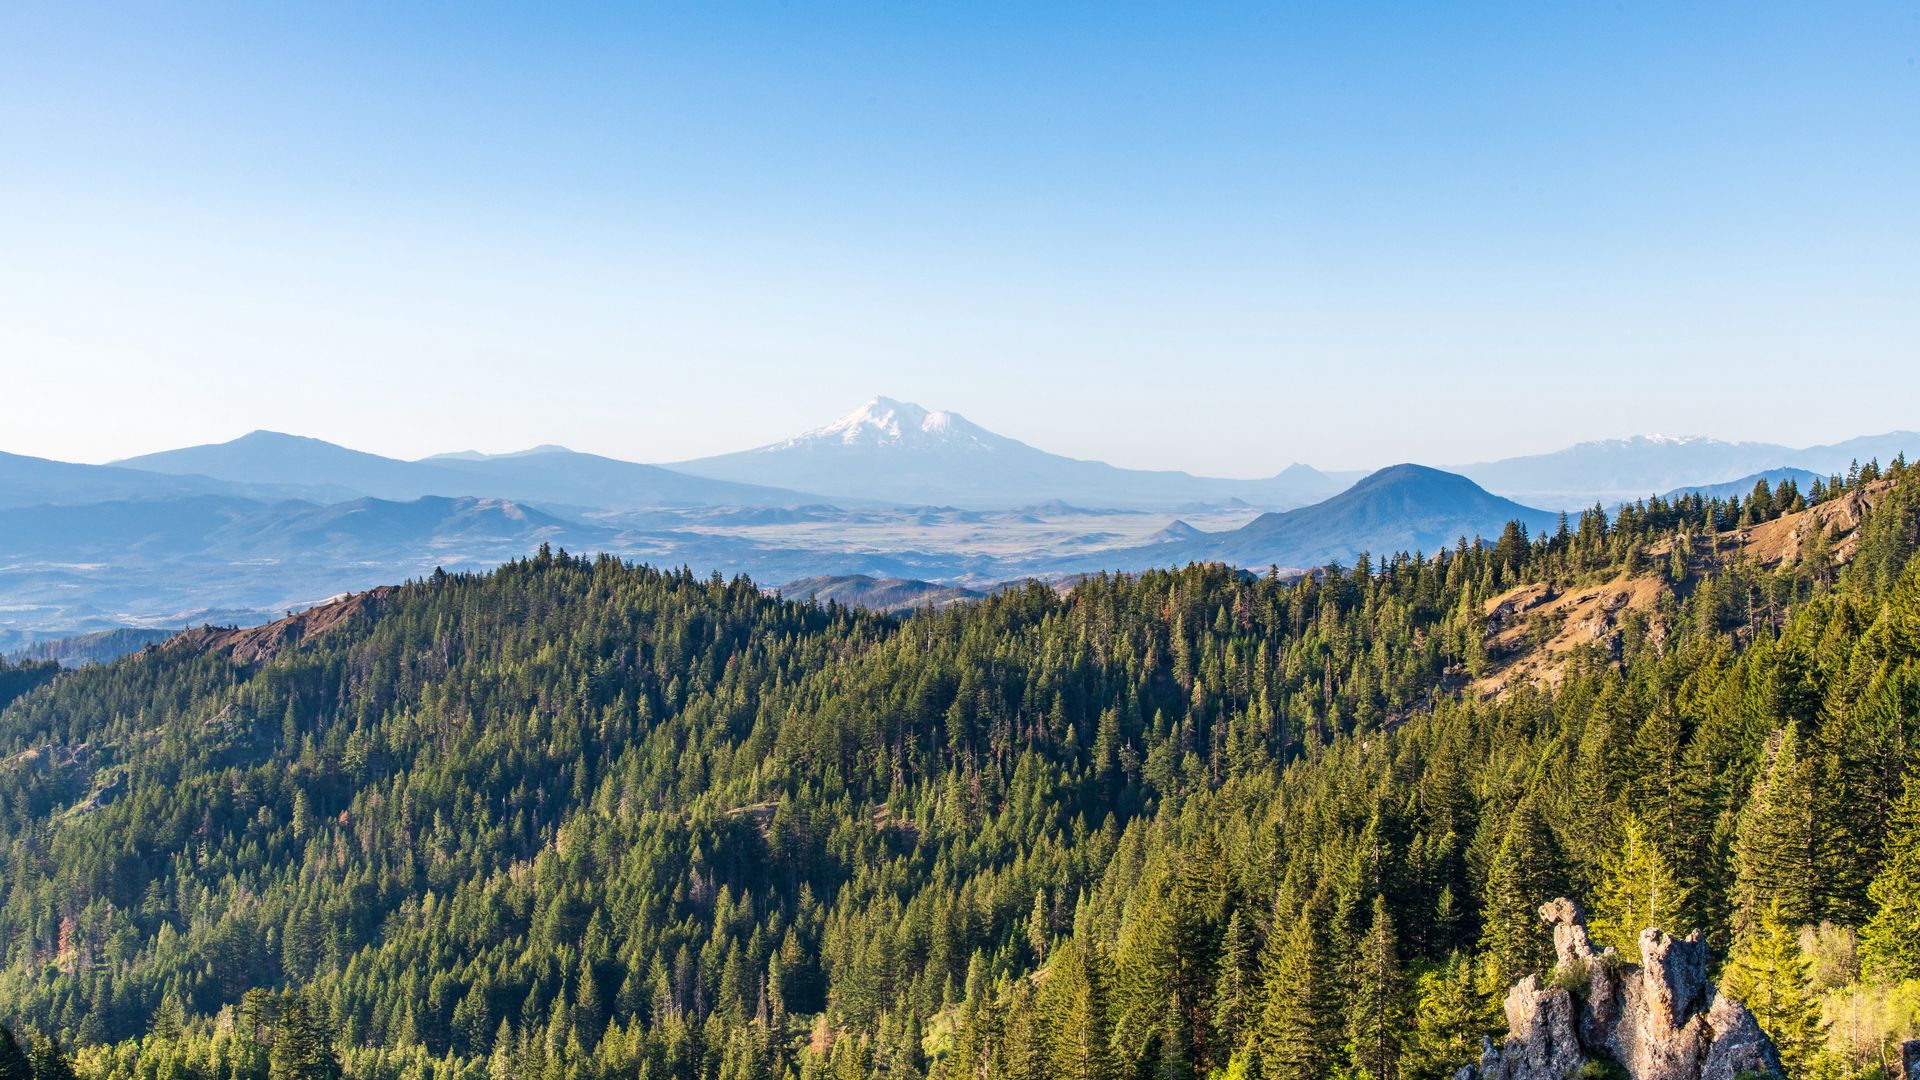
column 1638, row 889
column 1773, row 847
column 1524, row 872
column 1299, row 1030
column 1890, row 941
column 13, row 1060
column 1377, row 1018
column 1072, row 1003
column 1769, row 974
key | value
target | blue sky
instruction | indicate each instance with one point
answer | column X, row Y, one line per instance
column 1211, row 237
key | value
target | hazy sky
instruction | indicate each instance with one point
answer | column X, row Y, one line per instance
column 1210, row 237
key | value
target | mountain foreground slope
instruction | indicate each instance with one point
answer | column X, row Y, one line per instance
column 579, row 818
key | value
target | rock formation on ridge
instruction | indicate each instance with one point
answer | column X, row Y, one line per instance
column 1660, row 1020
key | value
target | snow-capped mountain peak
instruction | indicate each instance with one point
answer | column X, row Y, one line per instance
column 900, row 452
column 1642, row 442
column 884, row 422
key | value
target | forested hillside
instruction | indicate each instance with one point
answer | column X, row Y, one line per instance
column 577, row 819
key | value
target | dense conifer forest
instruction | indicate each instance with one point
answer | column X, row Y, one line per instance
column 579, row 819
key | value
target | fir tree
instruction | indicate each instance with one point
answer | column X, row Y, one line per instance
column 303, row 1043
column 14, row 1064
column 1451, row 1017
column 1299, row 1031
column 1072, row 1003
column 1377, row 1019
column 49, row 1060
column 1768, row 973
column 1525, row 868
column 1638, row 889
column 1890, row 941
column 1233, row 992
column 170, row 1018
column 1773, row 847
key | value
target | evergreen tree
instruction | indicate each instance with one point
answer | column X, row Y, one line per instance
column 1299, row 1031
column 169, row 1019
column 1039, row 927
column 1451, row 1018
column 1890, row 941
column 1638, row 889
column 303, row 1043
column 1233, row 992
column 49, row 1061
column 14, row 1064
column 1525, row 868
column 1773, row 847
column 1377, row 1018
column 1072, row 1004
column 1768, row 973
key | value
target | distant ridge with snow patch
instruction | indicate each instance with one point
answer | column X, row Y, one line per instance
column 1610, row 471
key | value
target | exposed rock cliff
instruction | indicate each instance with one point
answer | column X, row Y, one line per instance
column 258, row 644
column 1660, row 1020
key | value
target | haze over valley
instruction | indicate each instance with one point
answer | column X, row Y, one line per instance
column 241, row 531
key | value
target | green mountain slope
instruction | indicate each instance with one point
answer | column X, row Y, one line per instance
column 580, row 819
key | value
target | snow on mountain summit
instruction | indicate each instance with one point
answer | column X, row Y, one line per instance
column 900, row 452
column 1657, row 440
column 884, row 422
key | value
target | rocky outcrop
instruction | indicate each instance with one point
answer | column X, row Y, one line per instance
column 259, row 644
column 1658, row 1020
column 1543, row 1040
column 1910, row 1059
column 1739, row 1046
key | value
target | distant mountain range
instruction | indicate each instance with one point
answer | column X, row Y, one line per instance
column 239, row 530
column 162, row 562
column 32, row 481
column 898, row 451
column 98, row 647
column 1612, row 471
column 306, row 468
column 885, row 452
column 888, row 495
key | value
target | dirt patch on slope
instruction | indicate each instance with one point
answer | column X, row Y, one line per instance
column 1778, row 541
column 1533, row 630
